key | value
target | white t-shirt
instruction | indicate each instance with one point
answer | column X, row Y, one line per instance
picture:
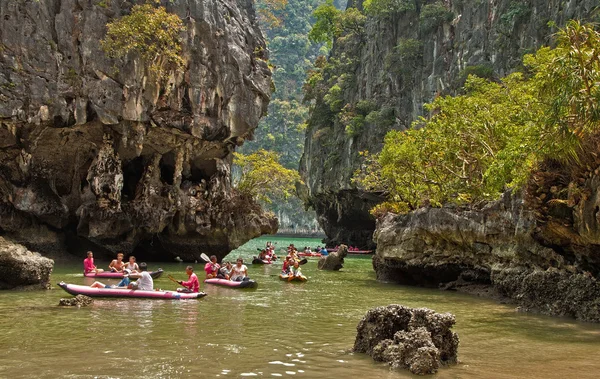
column 145, row 282
column 238, row 272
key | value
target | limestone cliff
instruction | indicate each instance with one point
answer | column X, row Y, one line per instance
column 103, row 151
column 501, row 247
column 401, row 61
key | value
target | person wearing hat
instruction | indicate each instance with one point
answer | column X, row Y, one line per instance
column 123, row 283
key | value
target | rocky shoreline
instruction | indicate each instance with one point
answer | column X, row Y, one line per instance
column 494, row 251
column 22, row 269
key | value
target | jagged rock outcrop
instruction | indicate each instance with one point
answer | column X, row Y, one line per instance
column 106, row 151
column 23, row 269
column 401, row 61
column 77, row 301
column 334, row 261
column 501, row 246
column 416, row 339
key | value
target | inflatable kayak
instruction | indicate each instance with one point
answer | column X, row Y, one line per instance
column 309, row 254
column 119, row 275
column 75, row 290
column 230, row 283
column 293, row 278
column 257, row 261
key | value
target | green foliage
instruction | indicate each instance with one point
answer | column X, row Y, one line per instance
column 387, row 8
column 476, row 145
column 152, row 33
column 332, row 23
column 433, row 16
column 517, row 12
column 485, row 71
column 385, row 117
column 263, row 178
column 334, row 98
column 405, row 57
column 269, row 12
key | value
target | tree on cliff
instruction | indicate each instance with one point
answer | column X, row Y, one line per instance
column 474, row 146
column 152, row 33
column 263, row 177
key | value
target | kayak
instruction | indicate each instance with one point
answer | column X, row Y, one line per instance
column 309, row 255
column 257, row 261
column 230, row 283
column 294, row 279
column 352, row 252
column 119, row 275
column 75, row 290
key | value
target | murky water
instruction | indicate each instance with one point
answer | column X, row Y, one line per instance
column 281, row 329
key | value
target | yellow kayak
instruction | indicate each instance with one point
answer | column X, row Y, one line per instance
column 291, row 278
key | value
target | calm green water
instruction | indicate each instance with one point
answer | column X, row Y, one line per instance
column 281, row 329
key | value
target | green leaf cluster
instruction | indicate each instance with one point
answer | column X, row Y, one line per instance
column 475, row 146
column 433, row 16
column 262, row 176
column 387, row 8
column 152, row 33
column 331, row 23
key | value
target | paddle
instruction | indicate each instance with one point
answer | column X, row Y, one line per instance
column 172, row 278
column 205, row 257
column 303, row 261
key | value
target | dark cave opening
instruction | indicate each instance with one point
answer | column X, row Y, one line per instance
column 203, row 169
column 132, row 174
column 167, row 168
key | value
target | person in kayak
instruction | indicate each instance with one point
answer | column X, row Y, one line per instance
column 192, row 285
column 123, row 283
column 212, row 267
column 324, row 252
column 117, row 265
column 295, row 270
column 88, row 264
column 239, row 272
column 145, row 281
column 286, row 265
column 225, row 271
column 132, row 266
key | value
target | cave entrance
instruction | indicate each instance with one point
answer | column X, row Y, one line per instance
column 203, row 169
column 132, row 174
column 167, row 168
column 151, row 250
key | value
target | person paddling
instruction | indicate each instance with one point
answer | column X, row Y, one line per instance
column 192, row 285
column 295, row 271
column 88, row 264
column 225, row 271
column 212, row 268
column 117, row 265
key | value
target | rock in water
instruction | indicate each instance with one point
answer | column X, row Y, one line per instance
column 416, row 339
column 77, row 301
column 334, row 261
column 23, row 269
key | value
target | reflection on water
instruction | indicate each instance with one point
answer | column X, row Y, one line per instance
column 279, row 329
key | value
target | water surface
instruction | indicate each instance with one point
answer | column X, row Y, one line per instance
column 281, row 329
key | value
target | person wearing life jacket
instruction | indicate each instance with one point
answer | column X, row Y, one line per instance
column 212, row 268
column 287, row 263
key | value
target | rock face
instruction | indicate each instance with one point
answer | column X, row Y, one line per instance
column 104, row 152
column 419, row 340
column 77, row 301
column 23, row 269
column 334, row 261
column 501, row 245
column 487, row 38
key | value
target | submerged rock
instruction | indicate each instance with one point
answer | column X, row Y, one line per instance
column 77, row 301
column 23, row 269
column 419, row 340
column 334, row 261
column 109, row 152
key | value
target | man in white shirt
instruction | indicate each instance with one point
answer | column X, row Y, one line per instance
column 145, row 282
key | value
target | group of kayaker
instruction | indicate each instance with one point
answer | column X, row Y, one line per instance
column 145, row 281
column 116, row 265
column 236, row 273
column 291, row 264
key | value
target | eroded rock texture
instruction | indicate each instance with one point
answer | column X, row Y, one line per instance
column 23, row 269
column 416, row 339
column 103, row 150
column 334, row 261
column 542, row 266
column 487, row 38
column 77, row 301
